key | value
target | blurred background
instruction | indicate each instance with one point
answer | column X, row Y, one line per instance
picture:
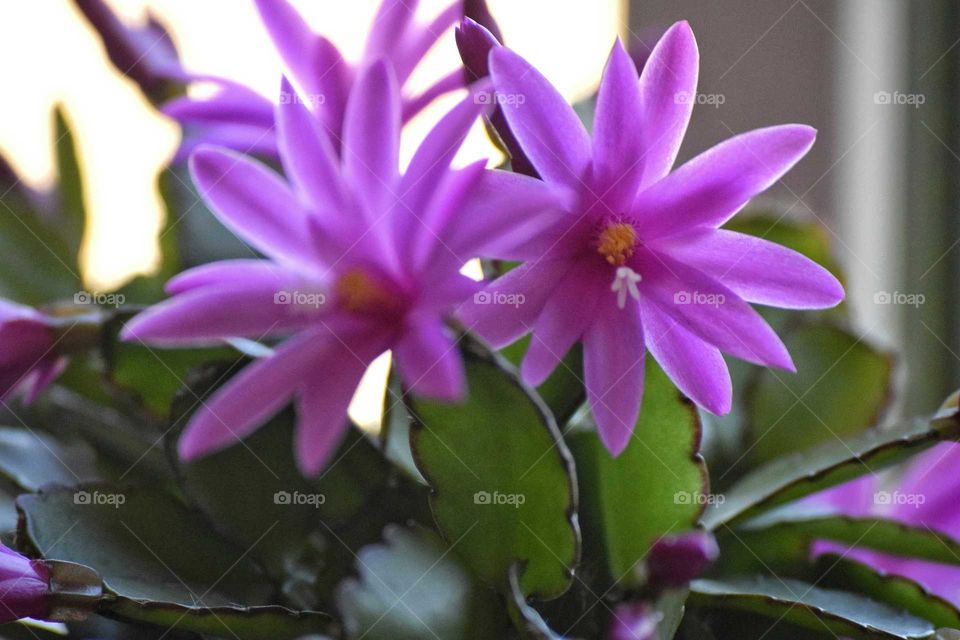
column 878, row 78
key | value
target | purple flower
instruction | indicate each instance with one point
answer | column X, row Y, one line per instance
column 676, row 560
column 28, row 357
column 633, row 621
column 238, row 118
column 24, row 587
column 631, row 257
column 924, row 496
column 361, row 259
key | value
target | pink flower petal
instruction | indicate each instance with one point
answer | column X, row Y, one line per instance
column 711, row 188
column 548, row 129
column 254, row 203
column 697, row 368
column 429, row 361
column 668, row 86
column 613, row 367
column 759, row 271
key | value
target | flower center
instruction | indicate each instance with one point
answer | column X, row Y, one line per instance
column 617, row 242
column 359, row 292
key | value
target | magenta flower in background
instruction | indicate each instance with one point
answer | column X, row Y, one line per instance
column 925, row 496
column 24, row 587
column 674, row 561
column 239, row 118
column 633, row 621
column 28, row 358
column 633, row 258
column 361, row 259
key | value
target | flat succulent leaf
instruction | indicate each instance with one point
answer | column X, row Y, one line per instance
column 828, row 464
column 657, row 486
column 838, row 612
column 896, row 591
column 563, row 391
column 504, row 488
column 72, row 218
column 841, row 387
column 410, row 587
column 31, row 459
column 162, row 562
column 795, row 528
column 526, row 619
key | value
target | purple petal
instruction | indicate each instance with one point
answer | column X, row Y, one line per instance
column 425, row 37
column 210, row 314
column 549, row 131
column 676, row 560
column 308, row 156
column 618, row 161
column 507, row 309
column 229, row 273
column 711, row 311
column 313, row 64
column 613, row 366
column 323, row 400
column 416, row 104
column 233, row 103
column 389, row 28
column 429, row 361
column 252, row 396
column 371, row 136
column 758, row 270
column 43, row 376
column 512, row 217
column 668, row 86
column 697, row 368
column 563, row 320
column 254, row 203
column 711, row 188
column 243, row 138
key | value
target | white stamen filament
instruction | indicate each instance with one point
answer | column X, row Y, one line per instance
column 625, row 282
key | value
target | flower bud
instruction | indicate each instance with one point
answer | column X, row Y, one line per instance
column 633, row 621
column 676, row 560
column 24, row 587
column 28, row 355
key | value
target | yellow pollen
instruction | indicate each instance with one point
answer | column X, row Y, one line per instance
column 359, row 293
column 617, row 242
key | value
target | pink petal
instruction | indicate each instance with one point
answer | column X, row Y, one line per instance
column 389, row 28
column 711, row 311
column 312, row 62
column 618, row 159
column 549, row 131
column 371, row 137
column 252, row 396
column 429, row 361
column 254, row 203
column 512, row 217
column 323, row 400
column 711, row 188
column 507, row 309
column 245, row 138
column 229, row 273
column 668, row 87
column 697, row 368
column 234, row 103
column 613, row 365
column 309, row 158
column 210, row 314
column 563, row 319
column 758, row 270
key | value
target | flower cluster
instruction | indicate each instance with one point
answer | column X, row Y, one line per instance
column 617, row 249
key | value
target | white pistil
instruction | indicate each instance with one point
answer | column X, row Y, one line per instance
column 625, row 282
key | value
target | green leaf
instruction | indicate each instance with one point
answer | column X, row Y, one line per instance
column 503, row 480
column 657, row 486
column 31, row 460
column 826, row 465
column 72, row 220
column 411, row 587
column 841, row 386
column 563, row 391
column 839, row 612
column 525, row 618
column 795, row 528
column 163, row 563
column 894, row 590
